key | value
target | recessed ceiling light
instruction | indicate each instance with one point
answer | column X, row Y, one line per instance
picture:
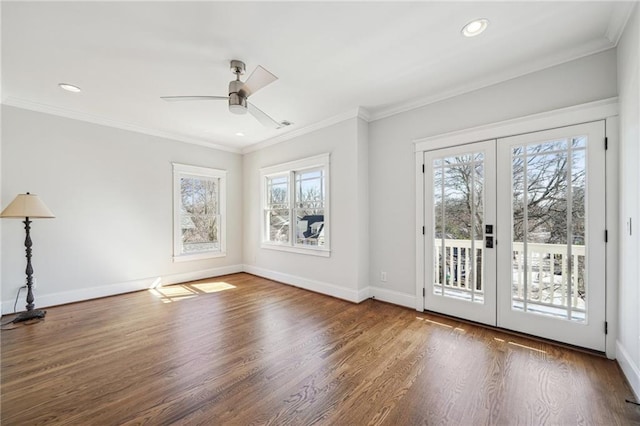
column 475, row 27
column 70, row 87
column 239, row 134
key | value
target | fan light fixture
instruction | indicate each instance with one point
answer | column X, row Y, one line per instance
column 475, row 27
column 70, row 87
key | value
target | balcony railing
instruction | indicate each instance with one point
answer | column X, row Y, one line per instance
column 545, row 278
column 461, row 273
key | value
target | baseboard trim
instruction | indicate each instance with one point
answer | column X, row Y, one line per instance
column 364, row 294
column 355, row 296
column 61, row 298
column 312, row 285
column 395, row 297
column 629, row 368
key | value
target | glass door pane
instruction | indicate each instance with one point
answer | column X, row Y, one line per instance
column 458, row 203
column 548, row 208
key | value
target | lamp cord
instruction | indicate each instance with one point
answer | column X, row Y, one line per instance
column 14, row 305
column 17, row 296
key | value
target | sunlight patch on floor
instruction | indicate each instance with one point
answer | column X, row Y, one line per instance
column 172, row 293
column 213, row 287
column 435, row 323
column 527, row 347
column 519, row 345
column 178, row 292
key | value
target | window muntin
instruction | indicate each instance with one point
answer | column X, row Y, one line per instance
column 199, row 212
column 295, row 203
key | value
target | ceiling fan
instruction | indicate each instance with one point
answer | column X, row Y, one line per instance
column 239, row 93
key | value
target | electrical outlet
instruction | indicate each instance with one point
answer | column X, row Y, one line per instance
column 383, row 276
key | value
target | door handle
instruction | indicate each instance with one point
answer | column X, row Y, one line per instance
column 488, row 242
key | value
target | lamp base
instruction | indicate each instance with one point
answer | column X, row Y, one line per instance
column 29, row 315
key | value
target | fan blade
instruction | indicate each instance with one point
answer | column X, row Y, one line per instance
column 259, row 78
column 262, row 117
column 194, row 98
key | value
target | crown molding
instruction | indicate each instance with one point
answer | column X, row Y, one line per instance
column 355, row 113
column 618, row 21
column 90, row 118
column 592, row 48
column 364, row 114
column 591, row 111
column 359, row 112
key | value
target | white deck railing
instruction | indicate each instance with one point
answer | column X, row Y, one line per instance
column 545, row 276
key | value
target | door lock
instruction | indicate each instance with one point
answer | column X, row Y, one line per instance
column 488, row 242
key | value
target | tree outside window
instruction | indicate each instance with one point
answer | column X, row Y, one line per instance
column 198, row 212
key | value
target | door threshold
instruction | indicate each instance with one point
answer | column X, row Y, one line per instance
column 520, row 334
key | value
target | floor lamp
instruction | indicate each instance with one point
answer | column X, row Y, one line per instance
column 28, row 206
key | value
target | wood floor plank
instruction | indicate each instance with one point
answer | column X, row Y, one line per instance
column 243, row 350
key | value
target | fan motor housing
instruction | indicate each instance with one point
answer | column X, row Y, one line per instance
column 235, row 86
column 237, row 103
column 237, row 99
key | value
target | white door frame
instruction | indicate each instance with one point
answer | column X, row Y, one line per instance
column 600, row 110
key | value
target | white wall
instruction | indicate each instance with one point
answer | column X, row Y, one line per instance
column 342, row 274
column 629, row 174
column 391, row 152
column 111, row 192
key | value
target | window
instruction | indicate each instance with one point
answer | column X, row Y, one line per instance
column 296, row 206
column 199, row 212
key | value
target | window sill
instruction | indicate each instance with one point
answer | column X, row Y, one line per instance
column 198, row 256
column 321, row 252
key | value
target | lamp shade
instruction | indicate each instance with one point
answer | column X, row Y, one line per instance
column 27, row 205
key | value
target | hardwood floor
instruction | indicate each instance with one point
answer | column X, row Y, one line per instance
column 242, row 350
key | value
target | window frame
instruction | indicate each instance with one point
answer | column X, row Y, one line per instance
column 183, row 170
column 290, row 169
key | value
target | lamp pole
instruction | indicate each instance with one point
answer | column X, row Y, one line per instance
column 29, row 270
column 30, row 313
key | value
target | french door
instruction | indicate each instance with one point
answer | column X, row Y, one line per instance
column 460, row 272
column 514, row 233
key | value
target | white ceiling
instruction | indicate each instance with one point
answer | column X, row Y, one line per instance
column 333, row 59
